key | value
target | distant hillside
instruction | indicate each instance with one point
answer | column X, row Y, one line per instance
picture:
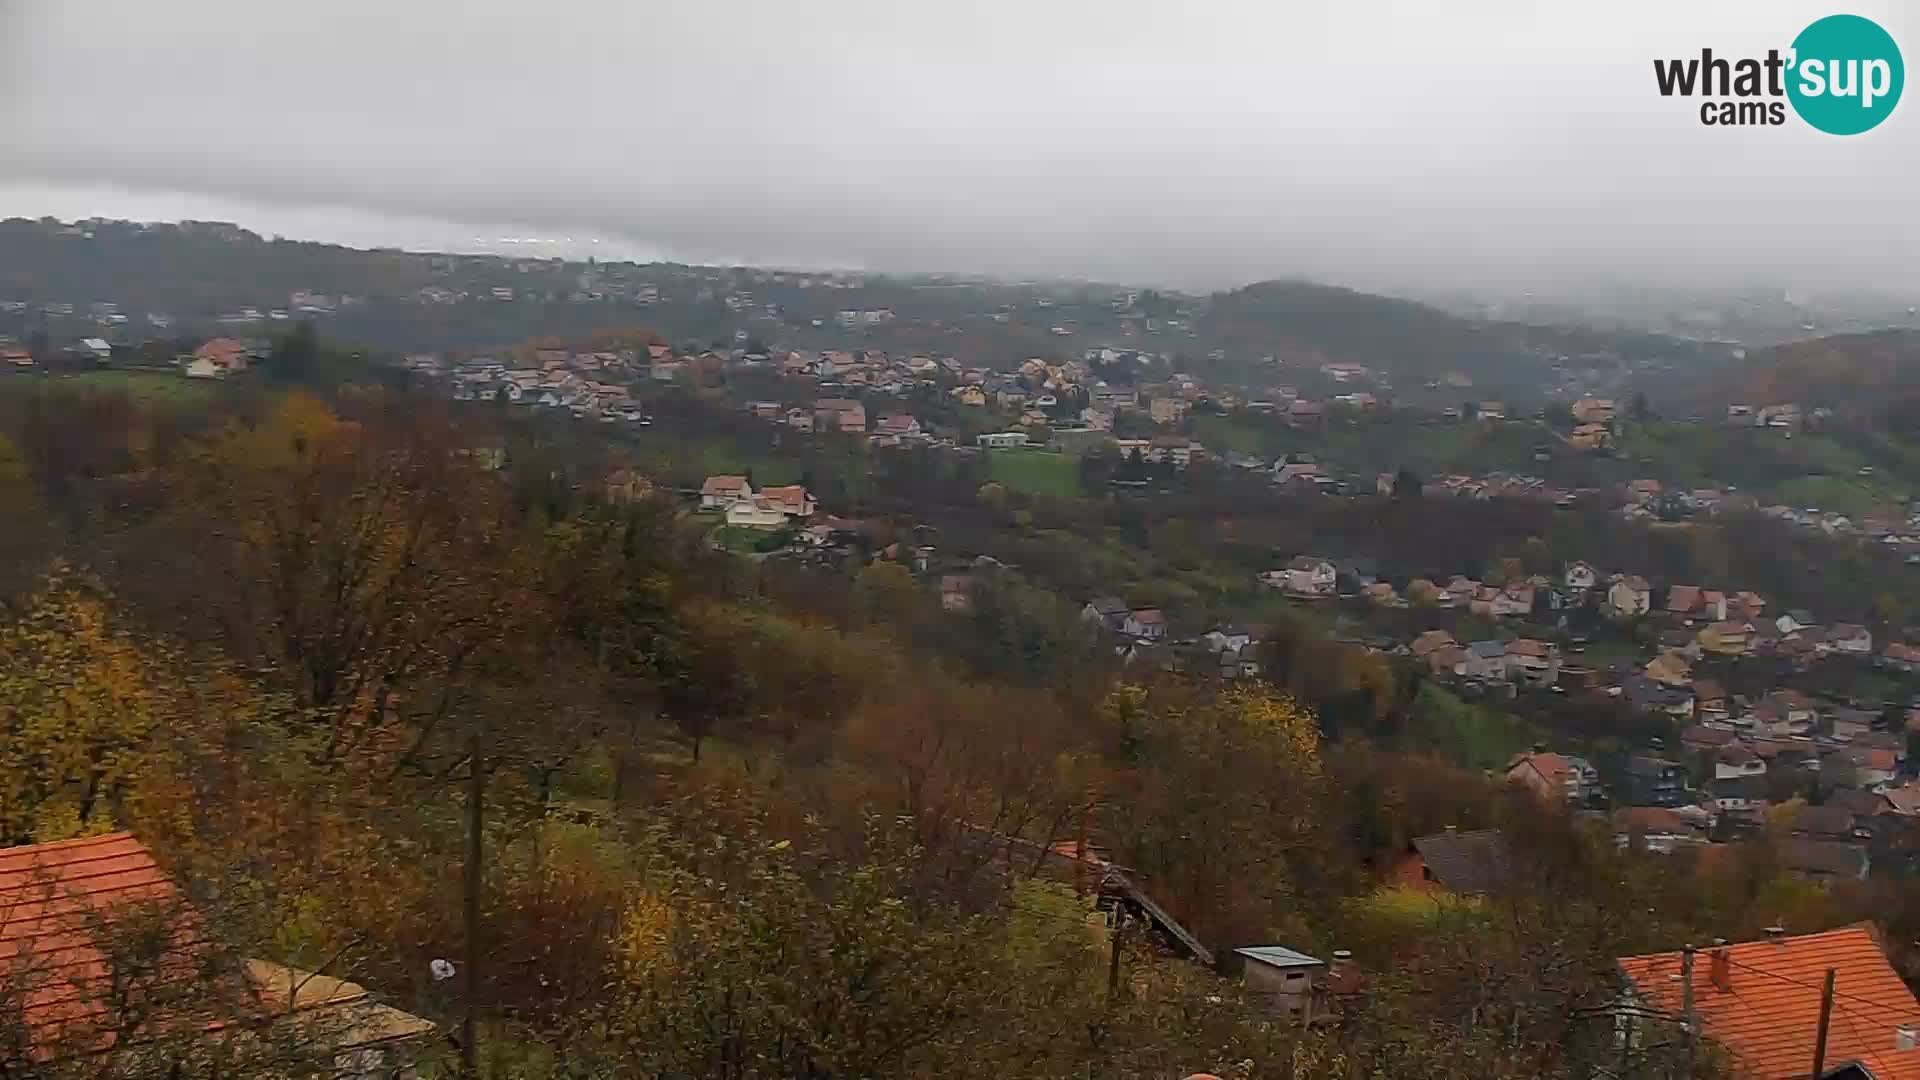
column 1852, row 372
column 1303, row 323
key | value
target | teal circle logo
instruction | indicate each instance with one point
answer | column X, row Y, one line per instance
column 1846, row 75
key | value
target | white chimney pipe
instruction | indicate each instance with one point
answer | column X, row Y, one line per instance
column 1906, row 1037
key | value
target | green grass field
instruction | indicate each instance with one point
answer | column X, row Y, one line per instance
column 1034, row 472
column 145, row 387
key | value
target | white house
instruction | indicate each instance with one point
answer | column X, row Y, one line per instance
column 1148, row 623
column 1002, row 440
column 201, row 367
column 1629, row 596
column 1580, row 577
column 756, row 513
column 722, row 492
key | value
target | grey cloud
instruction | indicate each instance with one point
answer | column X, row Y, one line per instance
column 1198, row 144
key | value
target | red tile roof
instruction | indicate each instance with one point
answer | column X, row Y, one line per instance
column 54, row 898
column 1768, row 1014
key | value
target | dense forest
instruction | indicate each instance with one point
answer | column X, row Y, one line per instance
column 599, row 800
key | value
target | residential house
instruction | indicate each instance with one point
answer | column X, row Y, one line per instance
column 1533, row 663
column 1736, row 760
column 1509, row 601
column 1793, row 622
column 1591, row 437
column 1866, row 766
column 1173, row 449
column 800, row 420
column 1555, row 779
column 1904, row 800
column 1146, row 623
column 199, row 367
column 1592, row 410
column 1226, row 639
column 970, row 395
column 1761, row 1003
column 1300, row 475
column 1743, row 797
column 1309, row 576
column 226, row 355
column 1785, row 712
column 97, row 935
column 758, row 512
column 1900, row 656
column 1470, row 863
column 1655, row 781
column 1427, row 643
column 1655, row 829
column 1107, row 611
column 1670, row 668
column 1701, row 738
column 1448, row 660
column 899, row 426
column 1685, row 600
column 1301, row 410
column 791, row 500
column 1734, row 637
column 20, row 359
column 1460, row 592
column 1649, row 696
column 1629, row 597
column 1002, row 440
column 1579, row 577
column 1850, row 725
column 839, row 414
column 1709, row 700
column 1850, row 639
column 1382, row 594
column 721, row 492
column 1165, row 410
column 1281, row 980
column 1486, row 660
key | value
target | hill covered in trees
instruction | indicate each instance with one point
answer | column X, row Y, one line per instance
column 377, row 696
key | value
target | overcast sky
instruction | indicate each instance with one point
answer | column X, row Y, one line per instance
column 1198, row 144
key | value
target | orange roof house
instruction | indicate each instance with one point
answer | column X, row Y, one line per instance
column 1760, row 1000
column 77, row 916
column 224, row 352
column 54, row 900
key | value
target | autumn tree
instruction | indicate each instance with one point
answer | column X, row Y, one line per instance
column 1217, row 803
column 79, row 702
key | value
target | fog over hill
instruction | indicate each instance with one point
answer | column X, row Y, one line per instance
column 1506, row 147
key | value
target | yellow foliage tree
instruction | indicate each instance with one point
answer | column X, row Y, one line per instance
column 79, row 701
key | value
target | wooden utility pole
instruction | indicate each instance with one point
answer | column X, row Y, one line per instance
column 1686, row 1001
column 1826, row 1014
